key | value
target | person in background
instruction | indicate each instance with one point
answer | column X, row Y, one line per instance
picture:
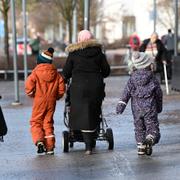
column 168, row 41
column 154, row 47
column 46, row 86
column 86, row 64
column 134, row 44
column 35, row 45
column 146, row 102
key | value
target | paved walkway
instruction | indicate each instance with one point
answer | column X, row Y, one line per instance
column 19, row 160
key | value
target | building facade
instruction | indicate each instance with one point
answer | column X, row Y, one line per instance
column 122, row 18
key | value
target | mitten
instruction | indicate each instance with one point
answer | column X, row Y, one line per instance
column 120, row 107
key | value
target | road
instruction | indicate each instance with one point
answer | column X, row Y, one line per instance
column 18, row 158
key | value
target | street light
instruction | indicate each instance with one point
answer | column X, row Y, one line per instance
column 75, row 22
column 16, row 83
column 86, row 14
column 155, row 15
column 176, row 28
column 25, row 38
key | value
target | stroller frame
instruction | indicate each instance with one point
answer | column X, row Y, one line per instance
column 70, row 136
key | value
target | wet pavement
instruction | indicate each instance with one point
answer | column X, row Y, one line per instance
column 18, row 158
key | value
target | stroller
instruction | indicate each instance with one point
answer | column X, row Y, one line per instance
column 70, row 136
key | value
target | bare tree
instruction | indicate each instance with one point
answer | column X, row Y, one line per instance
column 39, row 15
column 80, row 10
column 60, row 11
column 166, row 13
column 96, row 13
column 4, row 8
column 66, row 10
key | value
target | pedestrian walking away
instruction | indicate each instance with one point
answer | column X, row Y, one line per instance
column 46, row 86
column 87, row 66
column 168, row 41
column 146, row 102
column 35, row 45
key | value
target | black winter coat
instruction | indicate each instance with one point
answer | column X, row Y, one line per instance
column 161, row 54
column 87, row 66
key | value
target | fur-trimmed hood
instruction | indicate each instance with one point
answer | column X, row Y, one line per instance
column 83, row 45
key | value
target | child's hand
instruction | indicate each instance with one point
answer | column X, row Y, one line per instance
column 159, row 110
column 120, row 108
column 59, row 97
column 31, row 94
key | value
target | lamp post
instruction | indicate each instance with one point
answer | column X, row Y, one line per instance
column 25, row 38
column 86, row 14
column 155, row 15
column 75, row 22
column 176, row 29
column 16, row 82
column 175, row 82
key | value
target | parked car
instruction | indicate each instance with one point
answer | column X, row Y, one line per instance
column 20, row 47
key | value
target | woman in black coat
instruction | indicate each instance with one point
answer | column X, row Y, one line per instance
column 87, row 66
column 155, row 48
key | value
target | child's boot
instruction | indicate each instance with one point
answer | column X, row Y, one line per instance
column 50, row 152
column 40, row 148
column 1, row 139
column 149, row 142
column 141, row 148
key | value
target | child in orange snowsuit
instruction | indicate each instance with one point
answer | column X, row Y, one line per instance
column 46, row 86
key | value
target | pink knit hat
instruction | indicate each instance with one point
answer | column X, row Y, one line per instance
column 84, row 35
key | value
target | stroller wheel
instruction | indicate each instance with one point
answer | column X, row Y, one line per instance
column 110, row 138
column 65, row 141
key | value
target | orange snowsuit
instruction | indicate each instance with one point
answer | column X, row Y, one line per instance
column 46, row 85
